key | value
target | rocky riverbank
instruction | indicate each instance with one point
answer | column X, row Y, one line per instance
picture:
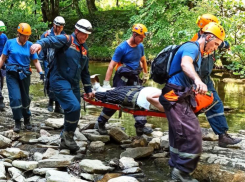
column 116, row 157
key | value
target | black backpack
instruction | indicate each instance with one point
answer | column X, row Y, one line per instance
column 161, row 64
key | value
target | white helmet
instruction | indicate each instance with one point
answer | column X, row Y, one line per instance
column 59, row 21
column 84, row 26
column 2, row 26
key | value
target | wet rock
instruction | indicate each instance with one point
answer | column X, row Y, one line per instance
column 94, row 166
column 154, row 143
column 118, row 134
column 161, row 163
column 25, row 165
column 123, row 179
column 10, row 134
column 65, row 152
column 4, row 142
column 114, row 162
column 42, row 171
column 49, row 153
column 44, row 133
column 87, row 176
column 16, row 174
column 53, row 163
column 157, row 134
column 79, row 136
column 2, row 171
column 132, row 170
column 33, row 179
column 137, row 153
column 54, row 122
column 138, row 142
column 102, row 138
column 64, row 157
column 58, row 176
column 7, row 164
column 48, row 146
column 160, row 155
column 109, row 176
column 37, row 156
column 15, row 144
column 208, row 134
column 90, row 131
column 52, row 140
column 97, row 147
column 164, row 142
column 87, row 126
column 14, row 153
column 127, row 162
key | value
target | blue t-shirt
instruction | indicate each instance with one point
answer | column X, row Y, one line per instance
column 188, row 49
column 3, row 40
column 17, row 54
column 129, row 56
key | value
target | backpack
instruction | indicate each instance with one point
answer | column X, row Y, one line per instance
column 161, row 64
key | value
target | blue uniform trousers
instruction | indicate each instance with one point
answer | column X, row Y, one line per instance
column 2, row 74
column 215, row 115
column 18, row 95
column 107, row 113
column 70, row 101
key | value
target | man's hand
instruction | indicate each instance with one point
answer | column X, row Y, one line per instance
column 145, row 77
column 42, row 76
column 90, row 95
column 106, row 84
column 200, row 86
column 35, row 48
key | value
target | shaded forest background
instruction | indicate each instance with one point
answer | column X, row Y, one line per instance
column 168, row 21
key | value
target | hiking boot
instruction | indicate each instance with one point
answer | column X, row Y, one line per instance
column 143, row 130
column 2, row 105
column 50, row 105
column 68, row 142
column 181, row 176
column 27, row 123
column 58, row 109
column 100, row 126
column 17, row 126
column 225, row 139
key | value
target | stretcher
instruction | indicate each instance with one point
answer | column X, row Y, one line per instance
column 121, row 108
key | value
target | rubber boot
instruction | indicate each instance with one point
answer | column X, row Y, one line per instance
column 225, row 139
column 58, row 109
column 17, row 126
column 27, row 123
column 50, row 105
column 2, row 105
column 100, row 126
column 68, row 142
column 181, row 176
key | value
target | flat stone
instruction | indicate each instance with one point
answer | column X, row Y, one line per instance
column 132, row 170
column 49, row 153
column 58, row 176
column 87, row 176
column 80, row 136
column 124, row 179
column 2, row 170
column 94, row 166
column 25, row 165
column 154, row 143
column 42, row 171
column 118, row 134
column 54, row 122
column 102, row 138
column 37, row 156
column 127, row 162
column 138, row 152
column 4, row 142
column 16, row 174
column 157, row 134
column 33, row 179
column 65, row 152
column 97, row 146
column 53, row 163
column 160, row 155
column 14, row 153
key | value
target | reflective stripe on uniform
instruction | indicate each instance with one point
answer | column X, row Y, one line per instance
column 104, row 115
column 87, row 85
column 124, row 79
column 26, row 107
column 140, row 118
column 72, row 122
column 16, row 107
column 214, row 115
column 184, row 154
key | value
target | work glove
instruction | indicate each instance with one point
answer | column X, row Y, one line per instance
column 42, row 76
column 106, row 84
column 145, row 77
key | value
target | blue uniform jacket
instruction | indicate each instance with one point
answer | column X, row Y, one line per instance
column 69, row 66
column 43, row 55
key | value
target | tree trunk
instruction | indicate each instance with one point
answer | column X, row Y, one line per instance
column 91, row 6
column 117, row 3
column 78, row 11
column 50, row 9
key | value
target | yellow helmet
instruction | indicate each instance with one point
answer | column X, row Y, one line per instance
column 24, row 28
column 140, row 29
column 215, row 29
column 206, row 19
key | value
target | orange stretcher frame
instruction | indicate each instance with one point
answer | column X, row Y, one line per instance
column 125, row 109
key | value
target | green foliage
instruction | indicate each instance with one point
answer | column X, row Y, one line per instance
column 237, row 68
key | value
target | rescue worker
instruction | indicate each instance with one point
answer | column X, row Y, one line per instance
column 185, row 137
column 215, row 115
column 18, row 74
column 129, row 54
column 57, row 29
column 69, row 65
column 3, row 40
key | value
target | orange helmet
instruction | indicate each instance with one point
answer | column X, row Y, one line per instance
column 205, row 19
column 24, row 28
column 215, row 29
column 140, row 29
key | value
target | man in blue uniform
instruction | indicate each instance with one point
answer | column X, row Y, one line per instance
column 129, row 55
column 57, row 29
column 185, row 137
column 3, row 40
column 69, row 65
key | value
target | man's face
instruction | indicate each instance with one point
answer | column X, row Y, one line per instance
column 138, row 38
column 58, row 29
column 213, row 44
column 81, row 37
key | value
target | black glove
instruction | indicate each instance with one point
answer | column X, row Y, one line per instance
column 42, row 76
